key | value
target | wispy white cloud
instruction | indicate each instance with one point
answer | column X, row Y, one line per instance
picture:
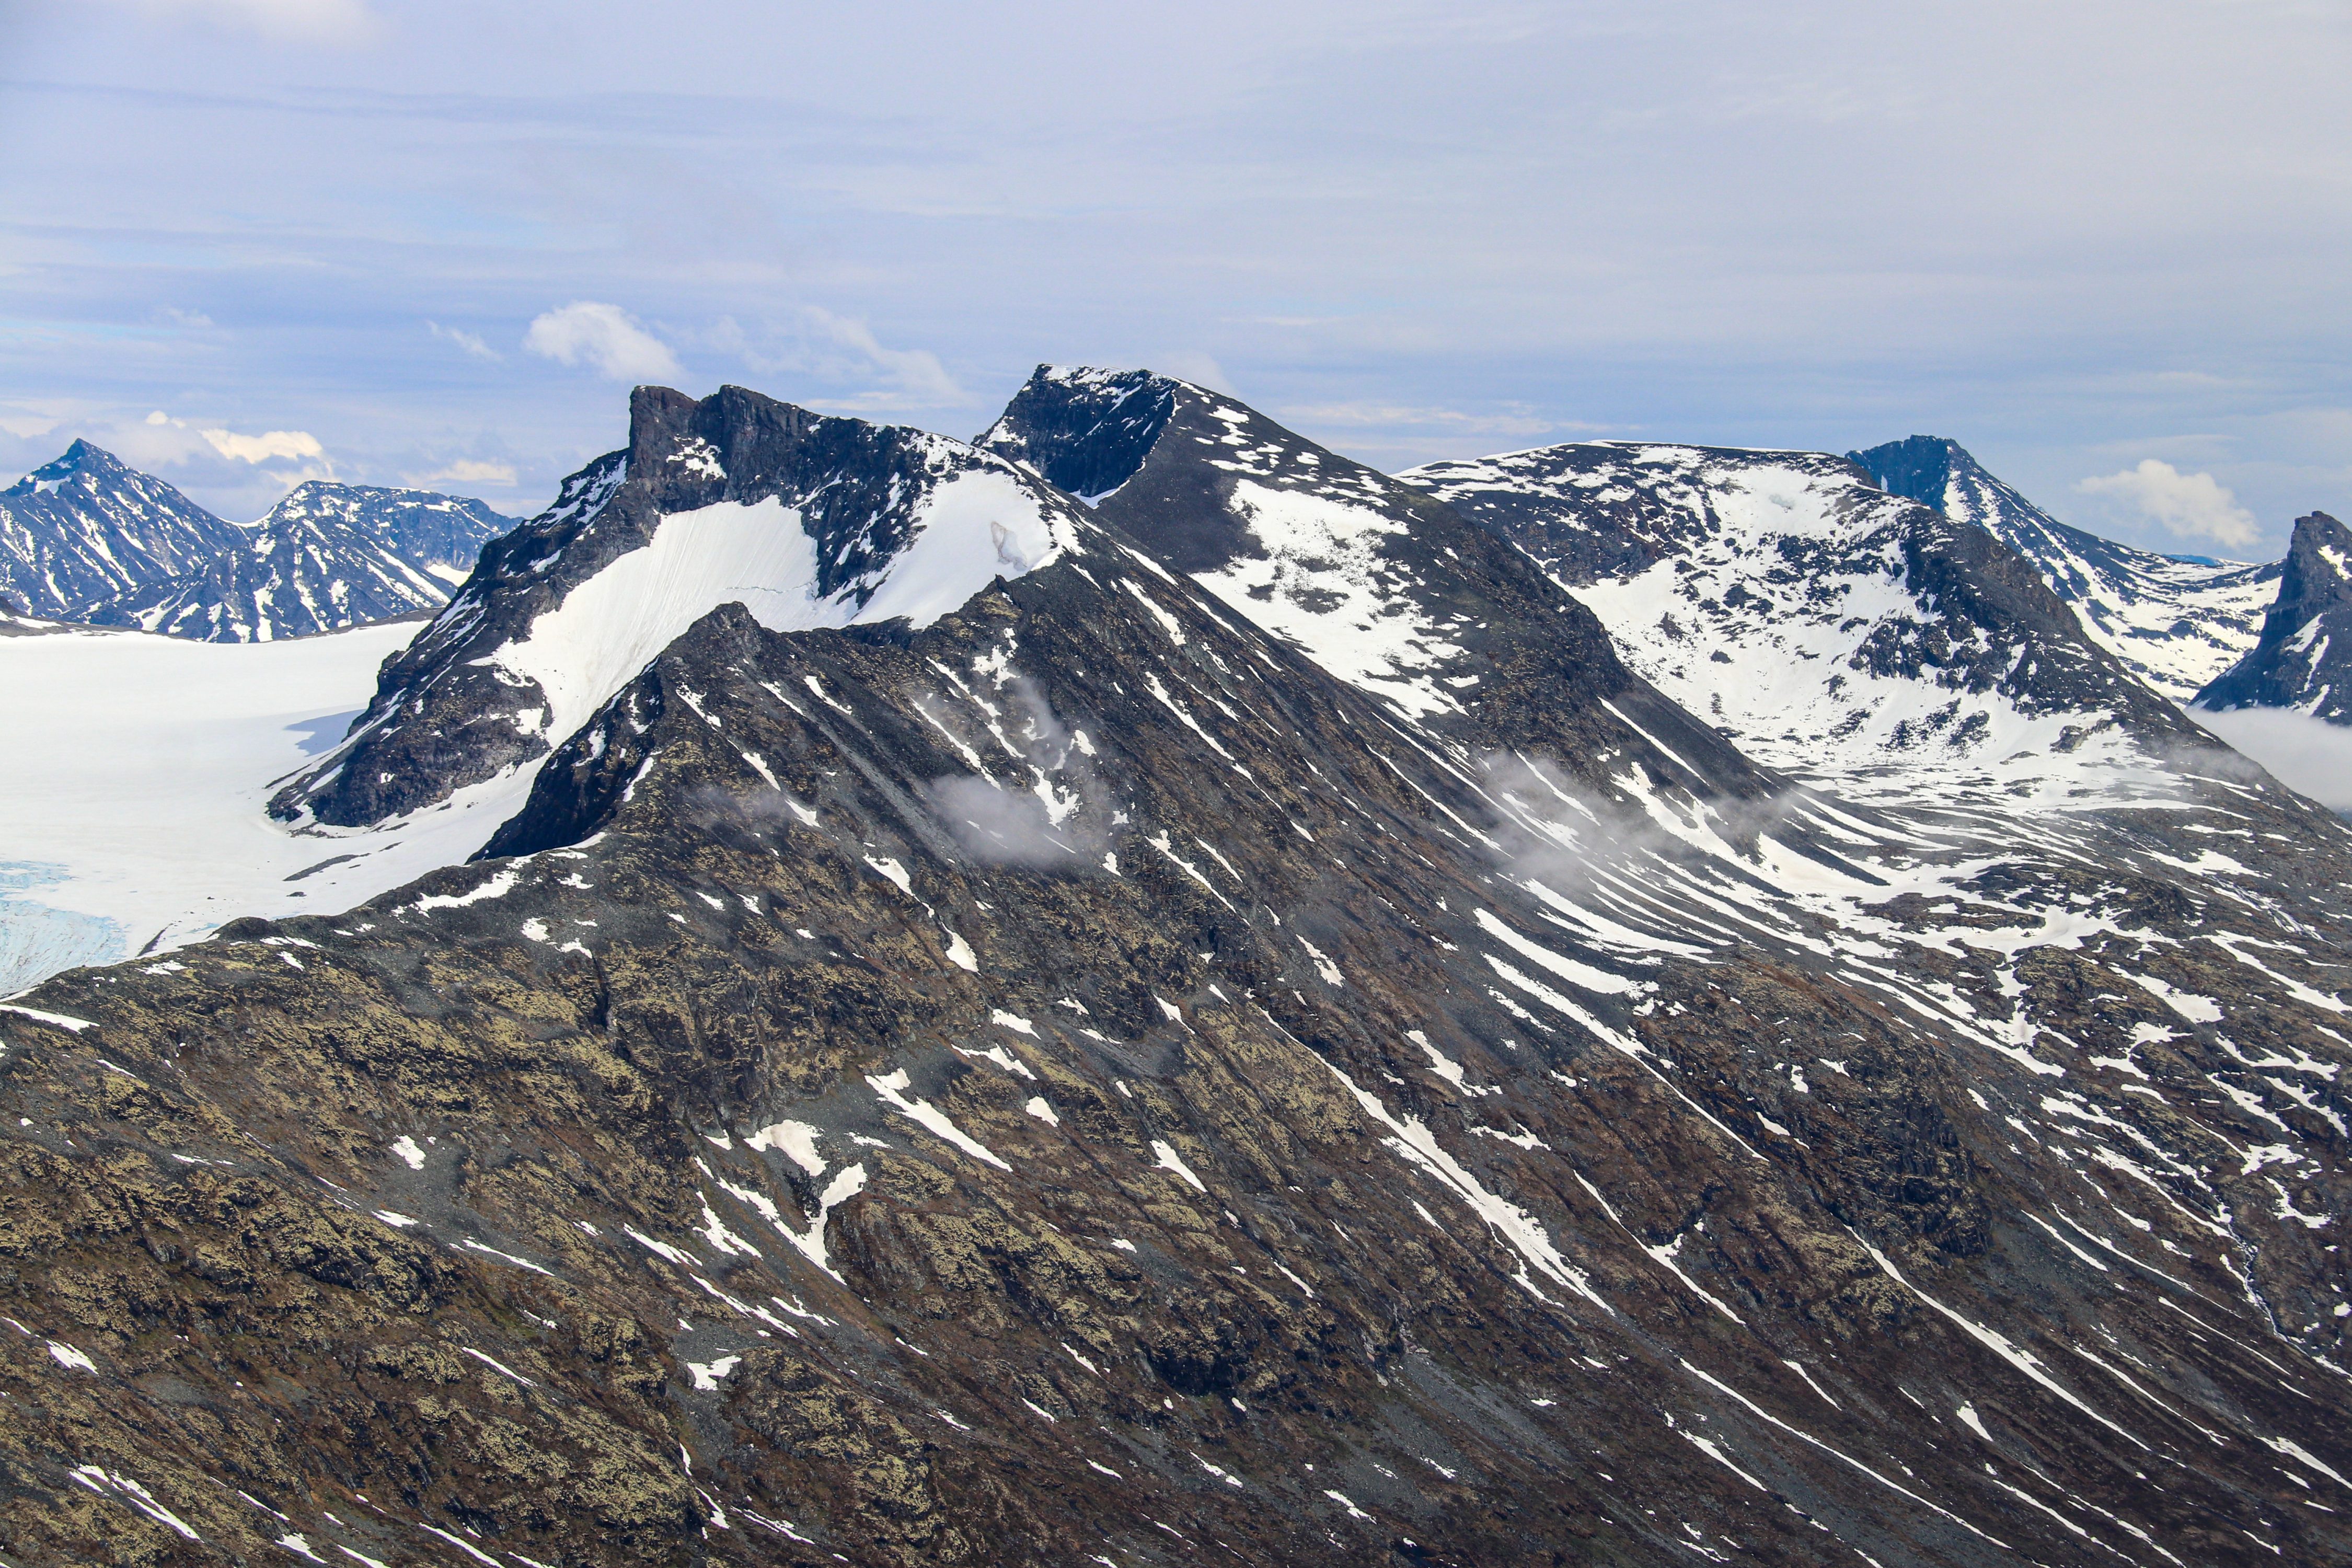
column 295, row 445
column 264, row 448
column 851, row 368
column 915, row 373
column 27, row 426
column 1200, row 369
column 603, row 337
column 470, row 342
column 465, row 471
column 1407, row 416
column 2190, row 506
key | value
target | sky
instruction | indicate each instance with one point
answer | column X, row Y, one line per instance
column 243, row 242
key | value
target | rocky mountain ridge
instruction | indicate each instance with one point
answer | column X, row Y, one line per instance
column 811, row 521
column 1836, row 633
column 84, row 528
column 1266, row 1028
column 87, row 538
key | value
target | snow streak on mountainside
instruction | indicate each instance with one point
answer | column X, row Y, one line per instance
column 78, row 531
column 2176, row 624
column 2304, row 662
column 86, row 539
column 1249, row 1035
column 1833, row 631
column 807, row 521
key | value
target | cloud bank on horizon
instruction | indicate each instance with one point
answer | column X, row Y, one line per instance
column 2094, row 243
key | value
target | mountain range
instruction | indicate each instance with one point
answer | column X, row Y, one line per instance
column 1135, row 990
column 87, row 538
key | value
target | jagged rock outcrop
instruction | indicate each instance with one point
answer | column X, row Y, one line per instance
column 1407, row 600
column 2304, row 660
column 2176, row 622
column 814, row 519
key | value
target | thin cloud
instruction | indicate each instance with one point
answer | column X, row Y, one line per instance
column 467, row 471
column 1200, row 369
column 27, row 426
column 298, row 21
column 2301, row 751
column 603, row 337
column 1391, row 416
column 843, row 355
column 2190, row 506
column 916, row 374
column 297, row 446
column 470, row 341
column 264, row 448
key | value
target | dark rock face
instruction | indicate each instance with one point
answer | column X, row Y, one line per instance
column 1079, row 1080
column 1084, row 431
column 81, row 530
column 2176, row 622
column 2304, row 660
column 86, row 539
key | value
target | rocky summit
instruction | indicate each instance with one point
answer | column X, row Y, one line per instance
column 2298, row 664
column 2177, row 622
column 1135, row 992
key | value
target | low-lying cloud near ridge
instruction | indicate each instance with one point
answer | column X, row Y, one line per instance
column 1008, row 825
column 2302, row 752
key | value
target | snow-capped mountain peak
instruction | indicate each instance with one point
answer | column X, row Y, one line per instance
column 84, row 528
column 329, row 555
column 86, row 538
column 438, row 534
column 2176, row 622
column 1450, row 626
column 1831, row 630
column 806, row 519
column 91, row 466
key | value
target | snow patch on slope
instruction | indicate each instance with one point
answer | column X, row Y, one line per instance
column 1323, row 585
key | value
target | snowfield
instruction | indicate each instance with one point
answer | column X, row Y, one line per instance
column 134, row 777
